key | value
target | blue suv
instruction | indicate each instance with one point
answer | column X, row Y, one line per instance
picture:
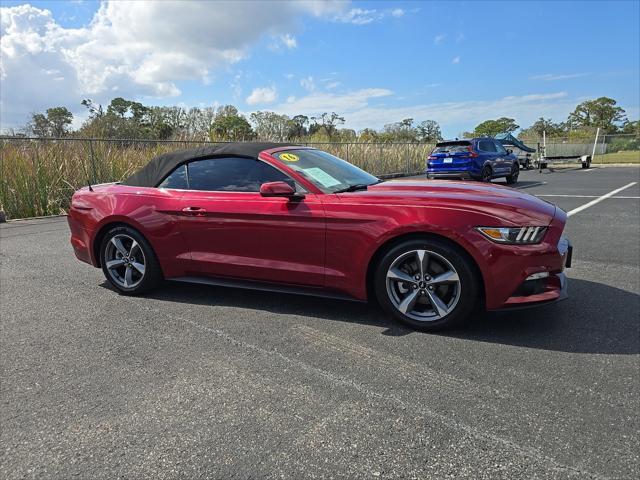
column 477, row 158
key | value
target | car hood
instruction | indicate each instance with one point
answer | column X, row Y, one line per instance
column 510, row 205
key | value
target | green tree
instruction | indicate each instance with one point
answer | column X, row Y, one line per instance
column 428, row 131
column 299, row 126
column 546, row 125
column 489, row 128
column 229, row 125
column 39, row 125
column 631, row 127
column 402, row 131
column 368, row 135
column 54, row 123
column 271, row 126
column 602, row 112
column 327, row 124
column 60, row 119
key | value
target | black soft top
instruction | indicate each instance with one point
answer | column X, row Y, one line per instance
column 159, row 167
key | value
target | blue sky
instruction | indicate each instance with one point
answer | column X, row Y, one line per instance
column 374, row 62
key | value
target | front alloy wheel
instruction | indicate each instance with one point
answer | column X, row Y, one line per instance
column 515, row 172
column 428, row 284
column 423, row 285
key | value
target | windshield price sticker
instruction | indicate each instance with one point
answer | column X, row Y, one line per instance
column 321, row 176
column 289, row 157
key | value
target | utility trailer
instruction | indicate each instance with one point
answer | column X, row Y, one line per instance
column 543, row 160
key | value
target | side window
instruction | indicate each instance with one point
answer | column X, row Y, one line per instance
column 232, row 174
column 500, row 149
column 176, row 179
column 487, row 146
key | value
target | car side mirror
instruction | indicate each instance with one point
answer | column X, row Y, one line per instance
column 279, row 189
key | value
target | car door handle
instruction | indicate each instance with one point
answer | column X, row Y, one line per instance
column 194, row 211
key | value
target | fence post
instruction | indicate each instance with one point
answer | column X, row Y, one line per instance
column 93, row 161
column 595, row 144
column 406, row 160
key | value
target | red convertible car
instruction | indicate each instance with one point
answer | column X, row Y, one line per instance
column 297, row 219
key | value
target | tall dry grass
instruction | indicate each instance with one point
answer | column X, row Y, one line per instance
column 38, row 177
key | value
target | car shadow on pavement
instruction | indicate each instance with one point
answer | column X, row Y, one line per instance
column 596, row 318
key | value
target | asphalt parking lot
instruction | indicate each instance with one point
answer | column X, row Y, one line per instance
column 206, row 382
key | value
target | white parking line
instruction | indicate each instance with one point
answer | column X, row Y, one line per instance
column 585, row 170
column 599, row 199
column 586, row 196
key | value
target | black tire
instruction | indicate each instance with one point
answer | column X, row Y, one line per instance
column 466, row 289
column 144, row 255
column 486, row 174
column 515, row 172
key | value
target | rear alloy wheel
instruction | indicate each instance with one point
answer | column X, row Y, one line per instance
column 427, row 284
column 128, row 262
column 515, row 172
column 486, row 174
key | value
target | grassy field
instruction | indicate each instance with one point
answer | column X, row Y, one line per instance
column 37, row 177
column 618, row 157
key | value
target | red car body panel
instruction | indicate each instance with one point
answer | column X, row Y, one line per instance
column 325, row 241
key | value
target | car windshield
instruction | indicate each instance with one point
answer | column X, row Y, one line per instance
column 329, row 173
column 451, row 147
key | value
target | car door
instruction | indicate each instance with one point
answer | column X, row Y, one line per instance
column 489, row 154
column 232, row 231
column 503, row 158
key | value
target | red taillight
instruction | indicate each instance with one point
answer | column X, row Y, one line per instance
column 432, row 157
column 472, row 154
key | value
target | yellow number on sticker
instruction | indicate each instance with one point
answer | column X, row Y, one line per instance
column 289, row 157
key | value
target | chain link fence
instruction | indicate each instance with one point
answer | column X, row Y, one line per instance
column 38, row 176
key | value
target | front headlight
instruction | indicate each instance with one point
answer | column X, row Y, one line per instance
column 514, row 235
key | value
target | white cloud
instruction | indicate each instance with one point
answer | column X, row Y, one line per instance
column 362, row 16
column 263, row 95
column 438, row 39
column 552, row 76
column 525, row 109
column 360, row 109
column 308, row 84
column 358, row 16
column 132, row 48
column 332, row 85
column 289, row 41
column 456, row 60
column 319, row 102
column 281, row 42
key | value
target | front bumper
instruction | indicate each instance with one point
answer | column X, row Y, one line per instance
column 533, row 292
